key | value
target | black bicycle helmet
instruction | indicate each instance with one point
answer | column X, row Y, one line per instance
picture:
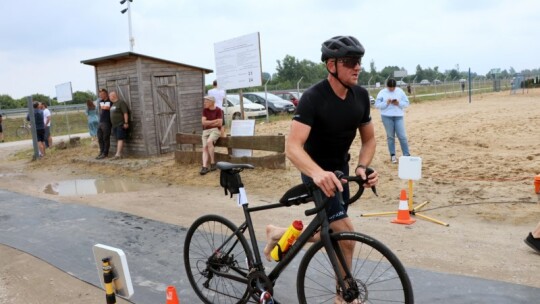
column 341, row 46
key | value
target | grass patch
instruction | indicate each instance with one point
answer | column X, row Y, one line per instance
column 78, row 123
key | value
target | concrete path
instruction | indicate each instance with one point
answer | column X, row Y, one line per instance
column 63, row 235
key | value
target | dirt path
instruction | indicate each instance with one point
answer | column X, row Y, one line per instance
column 479, row 161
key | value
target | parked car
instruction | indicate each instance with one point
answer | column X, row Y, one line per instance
column 425, row 82
column 231, row 108
column 371, row 100
column 437, row 81
column 290, row 96
column 400, row 83
column 275, row 103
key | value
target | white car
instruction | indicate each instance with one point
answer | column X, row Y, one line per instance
column 231, row 108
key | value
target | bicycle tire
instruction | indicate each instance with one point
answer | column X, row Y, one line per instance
column 22, row 132
column 378, row 273
column 205, row 235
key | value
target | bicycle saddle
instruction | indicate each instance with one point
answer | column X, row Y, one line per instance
column 230, row 166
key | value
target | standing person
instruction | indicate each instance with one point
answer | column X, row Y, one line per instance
column 391, row 101
column 47, row 120
column 212, row 121
column 104, row 127
column 323, row 128
column 1, row 130
column 219, row 95
column 92, row 116
column 533, row 239
column 40, row 128
column 120, row 122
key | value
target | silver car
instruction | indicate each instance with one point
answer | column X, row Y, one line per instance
column 275, row 103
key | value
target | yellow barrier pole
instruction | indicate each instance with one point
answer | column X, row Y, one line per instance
column 107, row 279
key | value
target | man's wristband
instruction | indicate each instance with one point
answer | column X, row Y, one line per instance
column 360, row 166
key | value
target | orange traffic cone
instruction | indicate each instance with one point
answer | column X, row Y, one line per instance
column 171, row 296
column 403, row 214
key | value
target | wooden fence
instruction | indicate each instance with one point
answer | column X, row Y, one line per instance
column 188, row 149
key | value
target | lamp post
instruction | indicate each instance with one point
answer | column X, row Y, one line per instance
column 127, row 9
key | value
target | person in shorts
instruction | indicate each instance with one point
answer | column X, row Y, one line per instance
column 40, row 128
column 119, row 121
column 328, row 117
column 219, row 96
column 212, row 121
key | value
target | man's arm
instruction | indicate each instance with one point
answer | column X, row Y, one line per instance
column 294, row 150
column 367, row 151
column 211, row 123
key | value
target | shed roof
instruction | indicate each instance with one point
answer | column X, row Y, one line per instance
column 126, row 55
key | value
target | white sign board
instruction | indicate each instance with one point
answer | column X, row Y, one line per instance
column 117, row 259
column 238, row 62
column 63, row 92
column 410, row 167
column 242, row 128
column 400, row 73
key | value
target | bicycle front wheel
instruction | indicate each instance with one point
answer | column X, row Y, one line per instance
column 378, row 275
column 217, row 260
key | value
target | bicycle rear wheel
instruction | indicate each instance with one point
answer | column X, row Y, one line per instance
column 377, row 273
column 213, row 255
column 22, row 132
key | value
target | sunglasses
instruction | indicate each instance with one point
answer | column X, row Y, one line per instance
column 350, row 62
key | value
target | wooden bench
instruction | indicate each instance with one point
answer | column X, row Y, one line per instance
column 187, row 152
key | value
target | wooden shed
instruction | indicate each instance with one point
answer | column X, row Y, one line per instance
column 165, row 98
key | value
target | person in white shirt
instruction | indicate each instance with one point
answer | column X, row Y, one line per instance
column 391, row 101
column 47, row 120
column 219, row 96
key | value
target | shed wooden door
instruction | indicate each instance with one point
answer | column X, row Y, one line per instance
column 122, row 88
column 166, row 98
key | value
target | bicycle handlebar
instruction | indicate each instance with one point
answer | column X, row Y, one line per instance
column 357, row 179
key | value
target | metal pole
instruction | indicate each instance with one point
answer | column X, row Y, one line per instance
column 470, row 92
column 131, row 39
column 298, row 87
column 30, row 104
column 266, row 98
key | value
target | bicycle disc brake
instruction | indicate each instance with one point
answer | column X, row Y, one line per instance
column 355, row 290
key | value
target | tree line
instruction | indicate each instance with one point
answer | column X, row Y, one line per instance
column 7, row 102
column 290, row 71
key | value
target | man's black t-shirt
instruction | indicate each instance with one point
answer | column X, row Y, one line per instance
column 105, row 111
column 333, row 122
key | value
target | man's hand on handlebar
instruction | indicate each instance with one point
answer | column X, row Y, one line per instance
column 372, row 177
column 327, row 182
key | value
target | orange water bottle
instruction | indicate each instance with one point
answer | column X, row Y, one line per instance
column 287, row 239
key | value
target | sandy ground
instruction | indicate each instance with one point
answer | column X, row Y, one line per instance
column 479, row 161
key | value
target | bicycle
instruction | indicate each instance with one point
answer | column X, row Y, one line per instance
column 24, row 130
column 223, row 268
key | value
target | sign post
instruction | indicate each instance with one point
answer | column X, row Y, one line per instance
column 64, row 94
column 238, row 64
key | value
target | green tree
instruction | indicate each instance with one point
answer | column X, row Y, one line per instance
column 6, row 102
column 82, row 97
column 291, row 70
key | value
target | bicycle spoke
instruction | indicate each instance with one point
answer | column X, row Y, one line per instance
column 377, row 274
column 213, row 250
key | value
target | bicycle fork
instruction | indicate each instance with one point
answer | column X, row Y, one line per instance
column 337, row 259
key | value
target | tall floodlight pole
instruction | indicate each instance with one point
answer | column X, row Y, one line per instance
column 128, row 9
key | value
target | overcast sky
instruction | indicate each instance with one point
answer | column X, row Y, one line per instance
column 43, row 41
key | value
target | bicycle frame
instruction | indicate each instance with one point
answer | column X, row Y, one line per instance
column 320, row 220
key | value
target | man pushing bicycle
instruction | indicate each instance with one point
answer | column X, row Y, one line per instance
column 323, row 129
